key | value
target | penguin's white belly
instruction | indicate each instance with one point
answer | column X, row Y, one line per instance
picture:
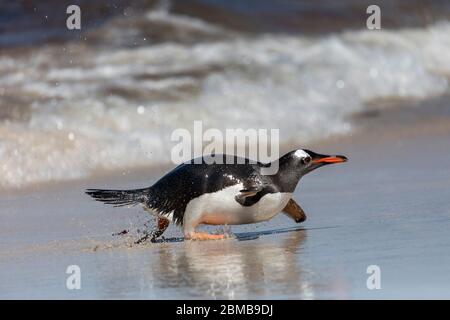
column 222, row 208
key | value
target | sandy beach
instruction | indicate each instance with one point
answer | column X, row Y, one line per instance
column 388, row 206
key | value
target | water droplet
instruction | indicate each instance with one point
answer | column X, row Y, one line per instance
column 140, row 110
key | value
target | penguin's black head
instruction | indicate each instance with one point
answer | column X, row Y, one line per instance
column 304, row 161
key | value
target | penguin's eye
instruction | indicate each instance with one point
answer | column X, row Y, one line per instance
column 306, row 160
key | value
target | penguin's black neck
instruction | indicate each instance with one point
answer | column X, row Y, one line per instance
column 288, row 174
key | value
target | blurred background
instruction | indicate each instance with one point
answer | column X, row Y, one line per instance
column 108, row 96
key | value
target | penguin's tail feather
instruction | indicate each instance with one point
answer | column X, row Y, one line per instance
column 120, row 198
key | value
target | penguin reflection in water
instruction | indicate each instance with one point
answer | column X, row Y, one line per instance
column 221, row 193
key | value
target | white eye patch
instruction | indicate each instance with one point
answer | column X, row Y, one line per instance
column 301, row 154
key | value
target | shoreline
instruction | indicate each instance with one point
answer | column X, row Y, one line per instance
column 386, row 120
column 387, row 206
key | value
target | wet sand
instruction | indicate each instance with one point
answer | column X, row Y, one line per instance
column 389, row 206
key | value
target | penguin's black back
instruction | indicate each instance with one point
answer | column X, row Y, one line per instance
column 191, row 179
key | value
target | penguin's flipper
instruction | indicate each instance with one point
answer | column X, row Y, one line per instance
column 245, row 193
column 250, row 188
column 294, row 211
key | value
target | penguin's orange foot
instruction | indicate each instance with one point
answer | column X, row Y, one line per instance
column 205, row 236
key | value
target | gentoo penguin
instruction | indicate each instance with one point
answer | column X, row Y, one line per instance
column 227, row 192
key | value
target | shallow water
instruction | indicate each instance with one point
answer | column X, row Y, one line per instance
column 374, row 210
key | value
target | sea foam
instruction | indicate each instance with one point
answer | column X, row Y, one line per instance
column 85, row 107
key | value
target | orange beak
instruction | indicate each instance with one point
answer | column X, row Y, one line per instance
column 331, row 159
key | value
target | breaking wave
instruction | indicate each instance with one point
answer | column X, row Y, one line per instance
column 69, row 110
